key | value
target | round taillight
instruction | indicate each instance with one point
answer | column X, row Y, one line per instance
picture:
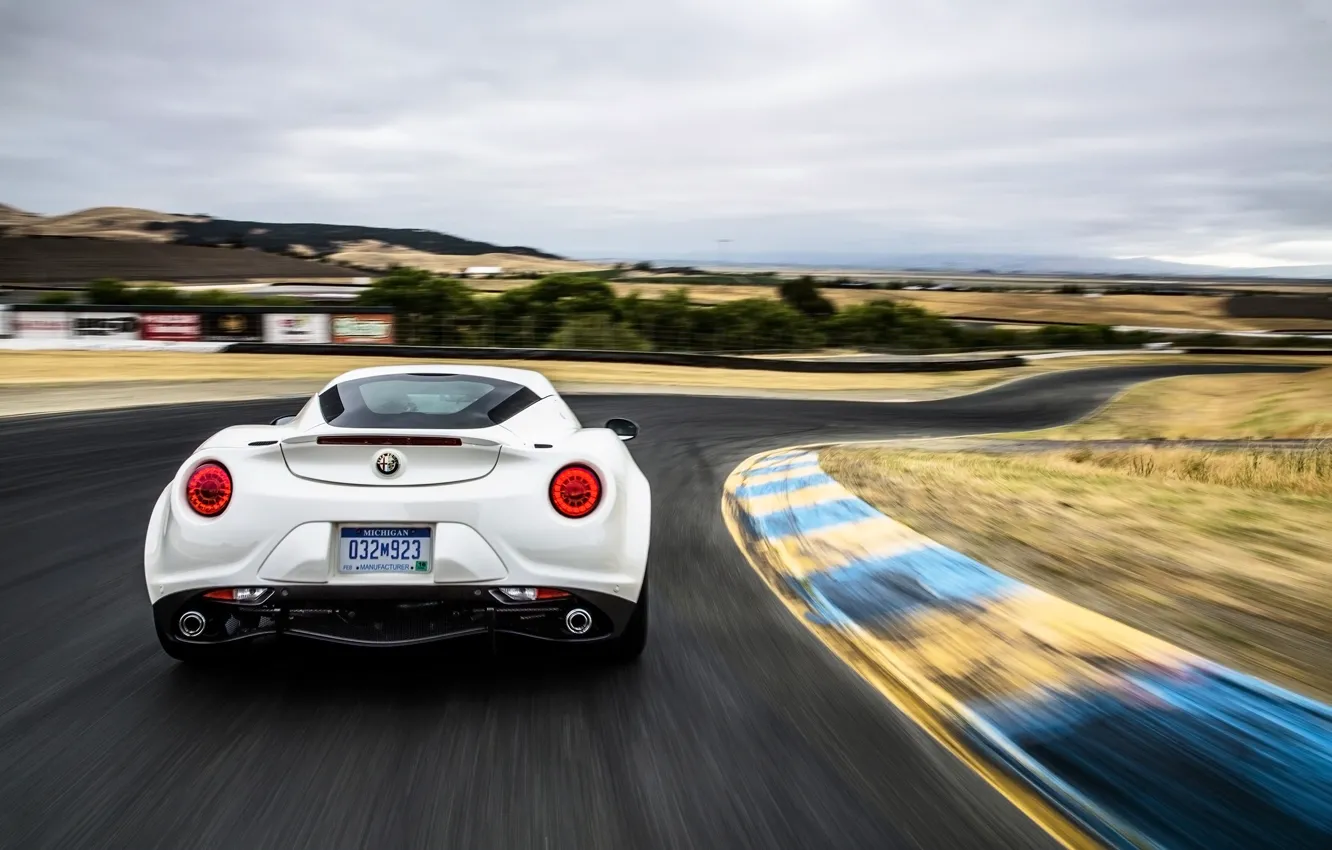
column 209, row 489
column 575, row 491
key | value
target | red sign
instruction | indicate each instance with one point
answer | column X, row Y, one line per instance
column 171, row 327
column 363, row 327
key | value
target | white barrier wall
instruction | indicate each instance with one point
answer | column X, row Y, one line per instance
column 107, row 325
column 297, row 327
column 44, row 325
column 171, row 327
column 362, row 328
column 185, row 326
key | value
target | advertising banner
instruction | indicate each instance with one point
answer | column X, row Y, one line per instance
column 171, row 327
column 43, row 325
column 296, row 327
column 363, row 328
column 107, row 325
column 233, row 327
column 6, row 329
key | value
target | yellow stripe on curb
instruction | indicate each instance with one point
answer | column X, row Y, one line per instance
column 801, row 497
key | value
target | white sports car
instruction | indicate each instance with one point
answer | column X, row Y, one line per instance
column 405, row 505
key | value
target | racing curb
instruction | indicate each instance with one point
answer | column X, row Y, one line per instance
column 1104, row 735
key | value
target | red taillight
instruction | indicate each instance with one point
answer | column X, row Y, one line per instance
column 575, row 491
column 209, row 489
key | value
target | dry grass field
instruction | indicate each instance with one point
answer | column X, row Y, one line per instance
column 1213, row 408
column 46, row 368
column 1194, row 312
column 1190, row 312
column 1228, row 554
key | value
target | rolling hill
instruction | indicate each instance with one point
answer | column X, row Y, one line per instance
column 140, row 244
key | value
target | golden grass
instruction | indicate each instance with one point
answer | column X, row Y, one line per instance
column 1159, row 311
column 18, row 368
column 38, row 368
column 1228, row 555
column 1213, row 407
column 1189, row 312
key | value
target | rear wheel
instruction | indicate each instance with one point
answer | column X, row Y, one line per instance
column 626, row 648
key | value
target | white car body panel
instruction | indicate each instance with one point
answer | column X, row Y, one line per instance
column 487, row 502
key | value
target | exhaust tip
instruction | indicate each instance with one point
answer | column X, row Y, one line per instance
column 578, row 621
column 191, row 624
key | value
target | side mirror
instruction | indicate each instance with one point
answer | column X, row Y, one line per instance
column 624, row 428
column 283, row 420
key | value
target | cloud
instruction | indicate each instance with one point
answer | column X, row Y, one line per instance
column 1113, row 127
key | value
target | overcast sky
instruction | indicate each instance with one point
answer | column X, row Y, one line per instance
column 1196, row 129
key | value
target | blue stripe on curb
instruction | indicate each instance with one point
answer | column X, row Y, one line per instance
column 782, row 485
column 799, row 463
column 1195, row 759
column 877, row 591
column 802, row 520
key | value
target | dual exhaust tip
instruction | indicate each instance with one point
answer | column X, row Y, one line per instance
column 192, row 623
column 578, row 621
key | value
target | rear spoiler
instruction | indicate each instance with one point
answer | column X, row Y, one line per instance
column 387, row 440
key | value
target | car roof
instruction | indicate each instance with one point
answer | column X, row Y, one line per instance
column 533, row 380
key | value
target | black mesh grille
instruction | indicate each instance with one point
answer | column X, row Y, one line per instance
column 387, row 625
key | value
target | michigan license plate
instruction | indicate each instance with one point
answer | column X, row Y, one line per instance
column 384, row 550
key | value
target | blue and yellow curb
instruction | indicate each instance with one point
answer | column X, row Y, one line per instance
column 1101, row 733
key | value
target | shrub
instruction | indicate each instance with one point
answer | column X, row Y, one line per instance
column 803, row 294
column 598, row 331
column 107, row 290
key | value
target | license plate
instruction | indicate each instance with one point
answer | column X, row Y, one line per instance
column 384, row 550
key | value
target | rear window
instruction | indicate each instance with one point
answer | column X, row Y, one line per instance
column 449, row 402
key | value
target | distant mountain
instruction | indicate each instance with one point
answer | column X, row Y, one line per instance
column 1001, row 264
column 1323, row 272
column 325, row 239
column 320, row 241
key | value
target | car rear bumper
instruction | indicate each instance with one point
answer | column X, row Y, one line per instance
column 389, row 616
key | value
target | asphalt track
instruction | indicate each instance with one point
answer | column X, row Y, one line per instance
column 737, row 729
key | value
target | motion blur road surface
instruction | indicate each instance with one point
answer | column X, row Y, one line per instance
column 737, row 729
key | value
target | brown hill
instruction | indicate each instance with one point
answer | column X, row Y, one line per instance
column 101, row 223
column 14, row 217
column 372, row 254
column 288, row 245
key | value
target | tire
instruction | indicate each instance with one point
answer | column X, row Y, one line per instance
column 201, row 656
column 626, row 648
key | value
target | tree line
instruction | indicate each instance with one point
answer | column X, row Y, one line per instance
column 584, row 312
